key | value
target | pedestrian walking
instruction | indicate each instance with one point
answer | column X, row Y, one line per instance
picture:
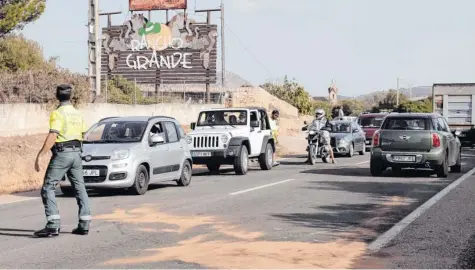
column 67, row 128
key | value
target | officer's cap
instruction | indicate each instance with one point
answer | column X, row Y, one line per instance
column 64, row 88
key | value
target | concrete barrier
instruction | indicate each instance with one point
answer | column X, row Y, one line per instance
column 27, row 119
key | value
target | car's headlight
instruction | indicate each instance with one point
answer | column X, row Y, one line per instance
column 342, row 141
column 189, row 139
column 312, row 132
column 224, row 138
column 120, row 154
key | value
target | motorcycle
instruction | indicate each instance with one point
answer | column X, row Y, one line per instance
column 315, row 148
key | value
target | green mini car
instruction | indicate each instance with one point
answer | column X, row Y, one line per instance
column 416, row 140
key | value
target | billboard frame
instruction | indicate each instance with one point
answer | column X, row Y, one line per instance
column 151, row 6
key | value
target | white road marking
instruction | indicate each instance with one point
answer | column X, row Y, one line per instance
column 388, row 236
column 467, row 155
column 259, row 187
column 364, row 162
column 9, row 199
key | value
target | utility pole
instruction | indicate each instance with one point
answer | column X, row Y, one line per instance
column 94, row 48
column 223, row 67
column 208, row 21
column 397, row 93
column 109, row 24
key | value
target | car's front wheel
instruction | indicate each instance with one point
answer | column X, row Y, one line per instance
column 241, row 162
column 142, row 179
column 185, row 177
column 351, row 151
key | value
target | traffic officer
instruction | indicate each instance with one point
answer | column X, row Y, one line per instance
column 67, row 128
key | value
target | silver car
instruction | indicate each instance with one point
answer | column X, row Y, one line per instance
column 133, row 152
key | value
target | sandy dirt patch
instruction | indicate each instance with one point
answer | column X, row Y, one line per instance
column 18, row 155
column 234, row 248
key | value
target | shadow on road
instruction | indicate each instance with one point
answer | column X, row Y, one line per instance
column 364, row 171
column 302, row 162
column 389, row 203
column 16, row 232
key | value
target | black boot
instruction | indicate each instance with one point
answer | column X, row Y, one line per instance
column 80, row 231
column 47, row 232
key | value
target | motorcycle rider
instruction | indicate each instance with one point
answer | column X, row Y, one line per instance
column 318, row 123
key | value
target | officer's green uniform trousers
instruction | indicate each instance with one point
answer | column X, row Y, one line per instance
column 64, row 163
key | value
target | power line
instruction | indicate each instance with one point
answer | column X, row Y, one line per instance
column 247, row 50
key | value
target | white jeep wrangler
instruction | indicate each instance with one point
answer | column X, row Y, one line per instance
column 232, row 136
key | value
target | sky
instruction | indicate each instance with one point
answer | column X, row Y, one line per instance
column 364, row 45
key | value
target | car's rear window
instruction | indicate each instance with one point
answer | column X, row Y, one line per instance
column 370, row 122
column 406, row 123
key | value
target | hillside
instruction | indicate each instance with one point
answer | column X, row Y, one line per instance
column 420, row 91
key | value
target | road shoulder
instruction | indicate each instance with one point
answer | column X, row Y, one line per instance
column 439, row 238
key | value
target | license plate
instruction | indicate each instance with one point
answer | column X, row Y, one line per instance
column 90, row 172
column 404, row 158
column 201, row 154
column 368, row 142
column 462, row 135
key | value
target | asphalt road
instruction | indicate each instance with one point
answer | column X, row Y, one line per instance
column 294, row 216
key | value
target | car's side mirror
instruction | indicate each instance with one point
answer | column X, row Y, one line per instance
column 305, row 122
column 356, row 130
column 457, row 133
column 157, row 139
column 304, row 128
column 254, row 124
column 192, row 126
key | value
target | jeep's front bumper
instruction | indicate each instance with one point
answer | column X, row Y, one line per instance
column 221, row 156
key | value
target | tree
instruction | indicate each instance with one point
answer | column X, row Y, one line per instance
column 389, row 101
column 422, row 106
column 20, row 54
column 15, row 14
column 293, row 93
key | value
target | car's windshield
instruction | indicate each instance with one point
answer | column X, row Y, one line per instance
column 341, row 128
column 116, row 132
column 406, row 124
column 370, row 122
column 221, row 118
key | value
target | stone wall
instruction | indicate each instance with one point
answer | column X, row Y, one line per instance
column 27, row 119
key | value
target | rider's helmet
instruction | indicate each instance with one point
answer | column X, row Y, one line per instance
column 319, row 114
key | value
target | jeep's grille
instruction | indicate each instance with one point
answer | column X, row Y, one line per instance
column 206, row 142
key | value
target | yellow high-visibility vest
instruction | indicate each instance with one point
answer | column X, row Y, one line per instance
column 68, row 123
